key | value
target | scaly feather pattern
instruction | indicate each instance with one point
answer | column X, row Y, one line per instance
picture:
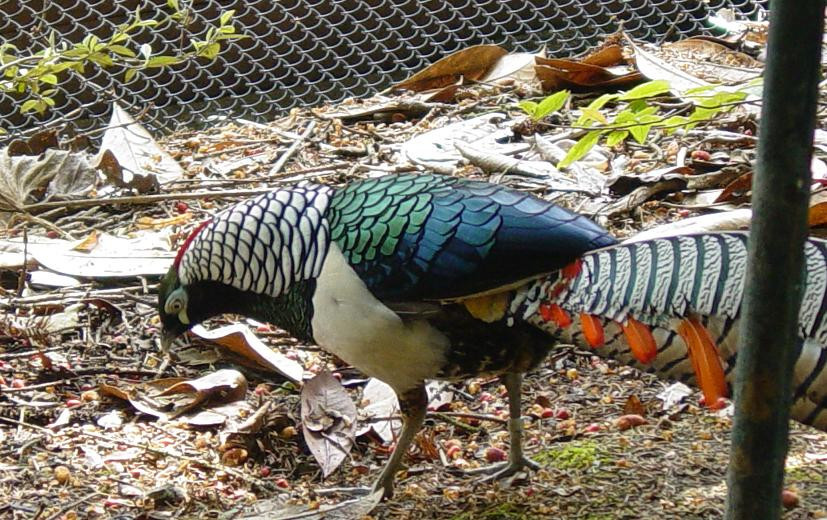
column 686, row 292
column 263, row 245
column 434, row 237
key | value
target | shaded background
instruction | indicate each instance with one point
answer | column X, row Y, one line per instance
column 308, row 52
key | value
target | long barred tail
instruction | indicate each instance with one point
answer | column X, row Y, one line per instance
column 671, row 306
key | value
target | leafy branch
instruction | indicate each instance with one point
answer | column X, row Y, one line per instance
column 35, row 76
column 639, row 116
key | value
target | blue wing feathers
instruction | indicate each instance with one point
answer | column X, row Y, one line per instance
column 432, row 237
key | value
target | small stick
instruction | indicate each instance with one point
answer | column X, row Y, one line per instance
column 293, row 148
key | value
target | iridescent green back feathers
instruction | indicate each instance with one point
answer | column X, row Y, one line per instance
column 432, row 237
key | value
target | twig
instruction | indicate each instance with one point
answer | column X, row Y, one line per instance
column 70, row 505
column 293, row 148
column 217, row 467
column 145, row 199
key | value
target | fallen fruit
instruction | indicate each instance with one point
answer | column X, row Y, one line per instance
column 495, row 455
column 624, row 422
column 789, row 499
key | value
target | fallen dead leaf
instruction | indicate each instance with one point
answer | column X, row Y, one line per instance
column 328, row 421
column 240, row 340
column 471, row 64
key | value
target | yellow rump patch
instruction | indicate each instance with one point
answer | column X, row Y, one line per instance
column 488, row 308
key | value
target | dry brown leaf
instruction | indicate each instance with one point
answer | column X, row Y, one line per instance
column 207, row 401
column 87, row 244
column 160, row 223
column 220, row 386
column 711, row 61
column 379, row 402
column 328, row 421
column 471, row 64
column 240, row 340
column 607, row 56
column 737, row 189
column 556, row 74
column 56, row 172
column 633, row 406
column 131, row 158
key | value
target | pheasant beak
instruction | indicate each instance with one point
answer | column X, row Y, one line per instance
column 167, row 337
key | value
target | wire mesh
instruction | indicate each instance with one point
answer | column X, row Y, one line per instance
column 302, row 52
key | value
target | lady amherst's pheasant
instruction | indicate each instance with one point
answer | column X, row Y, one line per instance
column 419, row 277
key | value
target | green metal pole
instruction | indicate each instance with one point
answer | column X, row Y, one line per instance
column 775, row 269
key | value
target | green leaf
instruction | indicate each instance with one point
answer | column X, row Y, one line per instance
column 580, row 148
column 173, row 4
column 118, row 37
column 600, row 102
column 699, row 90
column 624, row 117
column 551, row 104
column 162, row 61
column 593, row 108
column 76, row 53
column 615, row 137
column 121, row 50
column 702, row 114
column 210, row 51
column 646, row 90
column 226, row 17
column 637, row 105
column 591, row 114
column 640, row 132
column 99, row 58
column 646, row 112
column 49, row 101
column 28, row 106
column 129, row 74
column 529, row 107
column 51, row 79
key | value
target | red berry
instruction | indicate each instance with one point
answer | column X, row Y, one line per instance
column 264, row 472
column 700, row 155
column 486, row 397
column 453, row 451
column 547, row 413
column 789, row 499
column 52, row 234
column 592, row 428
column 72, row 403
column 495, row 455
column 624, row 422
column 182, row 207
column 282, row 483
column 562, row 414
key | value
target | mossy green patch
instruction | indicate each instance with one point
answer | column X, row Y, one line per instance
column 574, row 455
column 804, row 474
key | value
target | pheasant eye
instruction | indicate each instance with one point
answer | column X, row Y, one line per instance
column 176, row 302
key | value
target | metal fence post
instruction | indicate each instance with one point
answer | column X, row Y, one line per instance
column 775, row 271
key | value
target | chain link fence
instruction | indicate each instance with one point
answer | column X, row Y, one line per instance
column 303, row 52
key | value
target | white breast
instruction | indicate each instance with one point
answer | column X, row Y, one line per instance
column 351, row 323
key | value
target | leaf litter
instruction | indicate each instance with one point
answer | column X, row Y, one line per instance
column 77, row 353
